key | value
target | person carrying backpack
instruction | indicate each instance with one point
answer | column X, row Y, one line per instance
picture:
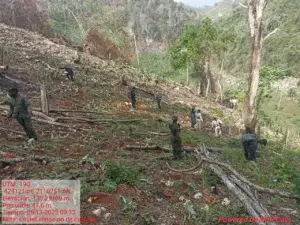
column 250, row 144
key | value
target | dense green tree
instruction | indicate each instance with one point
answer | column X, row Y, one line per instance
column 199, row 45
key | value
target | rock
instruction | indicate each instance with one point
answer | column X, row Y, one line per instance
column 181, row 198
column 225, row 201
column 107, row 216
column 198, row 195
column 169, row 183
column 97, row 212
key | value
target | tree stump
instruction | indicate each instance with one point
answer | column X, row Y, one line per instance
column 44, row 100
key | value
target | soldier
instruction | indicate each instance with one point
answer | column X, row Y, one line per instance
column 158, row 100
column 132, row 97
column 69, row 72
column 217, row 125
column 20, row 110
column 250, row 141
column 176, row 140
column 193, row 117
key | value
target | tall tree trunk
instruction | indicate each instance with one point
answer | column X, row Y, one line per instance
column 256, row 8
column 136, row 50
column 13, row 12
column 187, row 73
column 206, row 71
column 220, row 81
column 212, row 80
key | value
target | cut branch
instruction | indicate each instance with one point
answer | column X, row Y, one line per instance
column 270, row 34
column 244, row 6
column 199, row 163
column 242, row 178
column 155, row 133
column 146, row 147
column 54, row 123
column 13, row 131
column 11, row 160
column 248, row 203
column 39, row 114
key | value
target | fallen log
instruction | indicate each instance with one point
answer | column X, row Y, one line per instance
column 238, row 193
column 73, row 111
column 39, row 114
column 13, row 131
column 154, row 133
column 146, row 147
column 258, row 207
column 243, row 187
column 242, row 178
column 44, row 116
column 189, row 149
column 35, row 158
column 11, row 160
column 77, row 119
column 186, row 170
column 54, row 123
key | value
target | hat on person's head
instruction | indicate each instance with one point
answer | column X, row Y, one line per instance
column 13, row 89
column 175, row 117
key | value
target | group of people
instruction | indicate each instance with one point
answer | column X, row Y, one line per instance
column 132, row 97
column 196, row 119
column 250, row 140
column 21, row 111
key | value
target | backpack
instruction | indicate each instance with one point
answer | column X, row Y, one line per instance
column 249, row 137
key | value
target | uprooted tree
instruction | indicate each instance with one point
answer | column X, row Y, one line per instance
column 255, row 14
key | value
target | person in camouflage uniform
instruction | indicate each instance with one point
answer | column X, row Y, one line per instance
column 193, row 117
column 20, row 110
column 175, row 138
column 250, row 142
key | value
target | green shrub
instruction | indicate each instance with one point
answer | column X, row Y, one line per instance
column 109, row 186
column 120, row 173
column 211, row 179
column 188, row 138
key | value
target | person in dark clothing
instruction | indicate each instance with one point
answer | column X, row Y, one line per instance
column 250, row 142
column 132, row 97
column 69, row 72
column 193, row 117
column 175, row 138
column 158, row 100
column 20, row 110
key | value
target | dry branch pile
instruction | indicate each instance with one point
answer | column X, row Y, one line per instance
column 239, row 186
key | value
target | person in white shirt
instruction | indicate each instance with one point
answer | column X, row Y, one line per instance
column 199, row 120
column 217, row 126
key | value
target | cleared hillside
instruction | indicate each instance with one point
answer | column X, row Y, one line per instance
column 107, row 149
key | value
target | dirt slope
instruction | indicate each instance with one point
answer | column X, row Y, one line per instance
column 59, row 152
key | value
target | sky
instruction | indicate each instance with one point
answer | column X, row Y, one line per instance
column 198, row 3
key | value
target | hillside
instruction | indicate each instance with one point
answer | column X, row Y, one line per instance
column 100, row 152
